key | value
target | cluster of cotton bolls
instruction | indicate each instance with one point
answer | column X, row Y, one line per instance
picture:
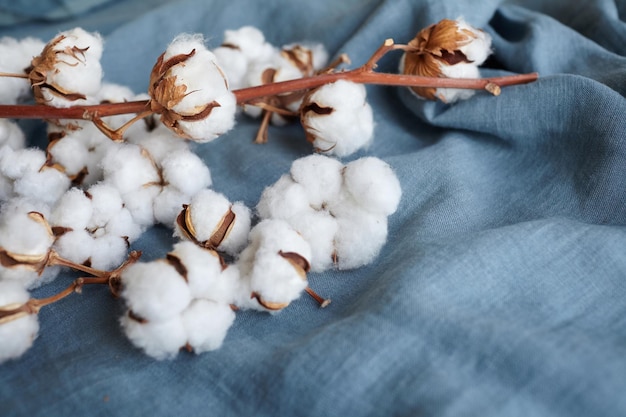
column 86, row 198
column 341, row 210
column 336, row 117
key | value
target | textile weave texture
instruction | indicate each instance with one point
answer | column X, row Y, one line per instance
column 502, row 288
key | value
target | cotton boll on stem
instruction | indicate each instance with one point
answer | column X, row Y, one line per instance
column 337, row 118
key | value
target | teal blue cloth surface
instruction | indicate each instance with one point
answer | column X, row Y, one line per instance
column 502, row 288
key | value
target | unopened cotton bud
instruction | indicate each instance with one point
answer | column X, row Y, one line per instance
column 190, row 91
column 337, row 118
column 68, row 71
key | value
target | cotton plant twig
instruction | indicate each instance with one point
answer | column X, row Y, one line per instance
column 252, row 95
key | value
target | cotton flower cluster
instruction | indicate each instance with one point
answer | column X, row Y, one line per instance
column 18, row 329
column 183, row 300
column 190, row 91
column 68, row 70
column 448, row 49
column 341, row 210
column 337, row 118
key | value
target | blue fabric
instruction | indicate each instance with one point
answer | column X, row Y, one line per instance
column 501, row 291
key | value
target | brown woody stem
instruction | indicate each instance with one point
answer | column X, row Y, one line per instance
column 323, row 302
column 251, row 95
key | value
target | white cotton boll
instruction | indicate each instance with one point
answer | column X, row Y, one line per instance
column 460, row 70
column 204, row 272
column 167, row 205
column 250, row 41
column 283, row 199
column 123, row 224
column 478, row 50
column 128, row 168
column 107, row 203
column 11, row 135
column 220, row 121
column 275, row 280
column 319, row 54
column 320, row 176
column 76, row 67
column 46, row 185
column 73, row 210
column 337, row 118
column 70, row 153
column 372, row 183
column 140, row 204
column 75, row 245
column 205, row 83
column 25, row 232
column 17, row 335
column 14, row 164
column 237, row 238
column 159, row 143
column 16, row 57
column 206, row 323
column 154, row 290
column 185, row 171
column 234, row 64
column 109, row 251
column 158, row 339
column 319, row 229
column 360, row 235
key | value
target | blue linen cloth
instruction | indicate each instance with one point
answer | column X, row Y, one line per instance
column 502, row 288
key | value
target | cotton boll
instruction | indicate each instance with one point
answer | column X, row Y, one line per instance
column 106, row 202
column 70, row 153
column 203, row 272
column 159, row 143
column 360, row 235
column 460, row 70
column 283, row 199
column 320, row 176
column 190, row 92
column 211, row 219
column 74, row 210
column 68, row 71
column 337, row 119
column 76, row 246
column 123, row 224
column 109, row 252
column 140, row 204
column 167, row 205
column 319, row 229
column 206, row 323
column 155, row 290
column 128, row 168
column 25, row 233
column 234, row 64
column 16, row 334
column 16, row 56
column 478, row 50
column 158, row 339
column 185, row 171
column 373, row 185
column 10, row 134
column 15, row 164
column 46, row 185
column 250, row 41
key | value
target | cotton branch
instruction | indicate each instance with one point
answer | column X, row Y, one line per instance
column 251, row 95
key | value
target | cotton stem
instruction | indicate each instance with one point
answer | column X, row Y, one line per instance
column 323, row 302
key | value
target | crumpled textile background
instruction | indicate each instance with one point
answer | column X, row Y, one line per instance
column 502, row 288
